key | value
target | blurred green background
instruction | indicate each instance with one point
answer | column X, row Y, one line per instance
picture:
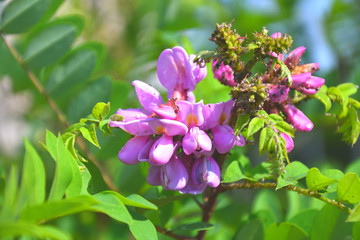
column 135, row 32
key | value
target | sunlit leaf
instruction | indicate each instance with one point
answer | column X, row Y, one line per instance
column 142, row 228
column 32, row 190
column 316, row 181
column 349, row 188
column 89, row 133
column 265, row 136
column 255, row 125
column 233, row 173
column 8, row 203
column 55, row 209
column 293, row 172
column 355, row 214
column 323, row 97
column 101, row 110
column 10, row 229
column 348, row 89
column 110, row 204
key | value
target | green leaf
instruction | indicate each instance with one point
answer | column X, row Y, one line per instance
column 142, row 228
column 32, row 190
column 255, row 125
column 19, row 16
column 97, row 91
column 324, row 223
column 354, row 215
column 55, row 209
column 63, row 173
column 336, row 95
column 89, row 133
column 111, row 204
column 323, row 97
column 334, row 174
column 304, row 220
column 284, row 231
column 293, row 172
column 265, row 136
column 16, row 229
column 241, row 122
column 268, row 200
column 8, row 203
column 101, row 110
column 316, row 181
column 74, row 70
column 275, row 117
column 119, row 95
column 349, row 188
column 197, row 226
column 284, row 127
column 135, row 200
column 348, row 89
column 252, row 230
column 356, row 231
column 233, row 173
column 49, row 45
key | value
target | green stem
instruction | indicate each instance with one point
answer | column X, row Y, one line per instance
column 60, row 115
column 306, row 192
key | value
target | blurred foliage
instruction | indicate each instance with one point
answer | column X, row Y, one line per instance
column 123, row 39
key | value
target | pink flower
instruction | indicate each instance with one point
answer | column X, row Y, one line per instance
column 223, row 73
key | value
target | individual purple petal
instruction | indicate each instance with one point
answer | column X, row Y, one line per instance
column 192, row 188
column 148, row 96
column 198, row 72
column 240, row 141
column 165, row 111
column 297, row 118
column 190, row 113
column 289, row 142
column 132, row 114
column 300, row 79
column 294, row 57
column 223, row 138
column 204, row 141
column 189, row 143
column 308, row 67
column 307, row 91
column 167, row 70
column 162, row 150
column 174, row 70
column 278, row 93
column 190, row 97
column 129, row 152
column 136, row 127
column 212, row 113
column 228, row 107
column 186, row 78
column 174, row 175
column 196, row 139
column 314, row 82
column 205, row 169
column 153, row 177
column 167, row 126
column 144, row 153
column 276, row 35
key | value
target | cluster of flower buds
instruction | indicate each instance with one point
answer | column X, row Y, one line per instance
column 278, row 87
column 177, row 137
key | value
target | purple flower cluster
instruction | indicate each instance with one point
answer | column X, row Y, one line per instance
column 177, row 137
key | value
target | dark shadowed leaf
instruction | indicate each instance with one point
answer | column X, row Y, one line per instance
column 324, row 223
column 198, row 226
column 20, row 15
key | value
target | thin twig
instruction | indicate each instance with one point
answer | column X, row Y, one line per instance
column 60, row 115
column 256, row 185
